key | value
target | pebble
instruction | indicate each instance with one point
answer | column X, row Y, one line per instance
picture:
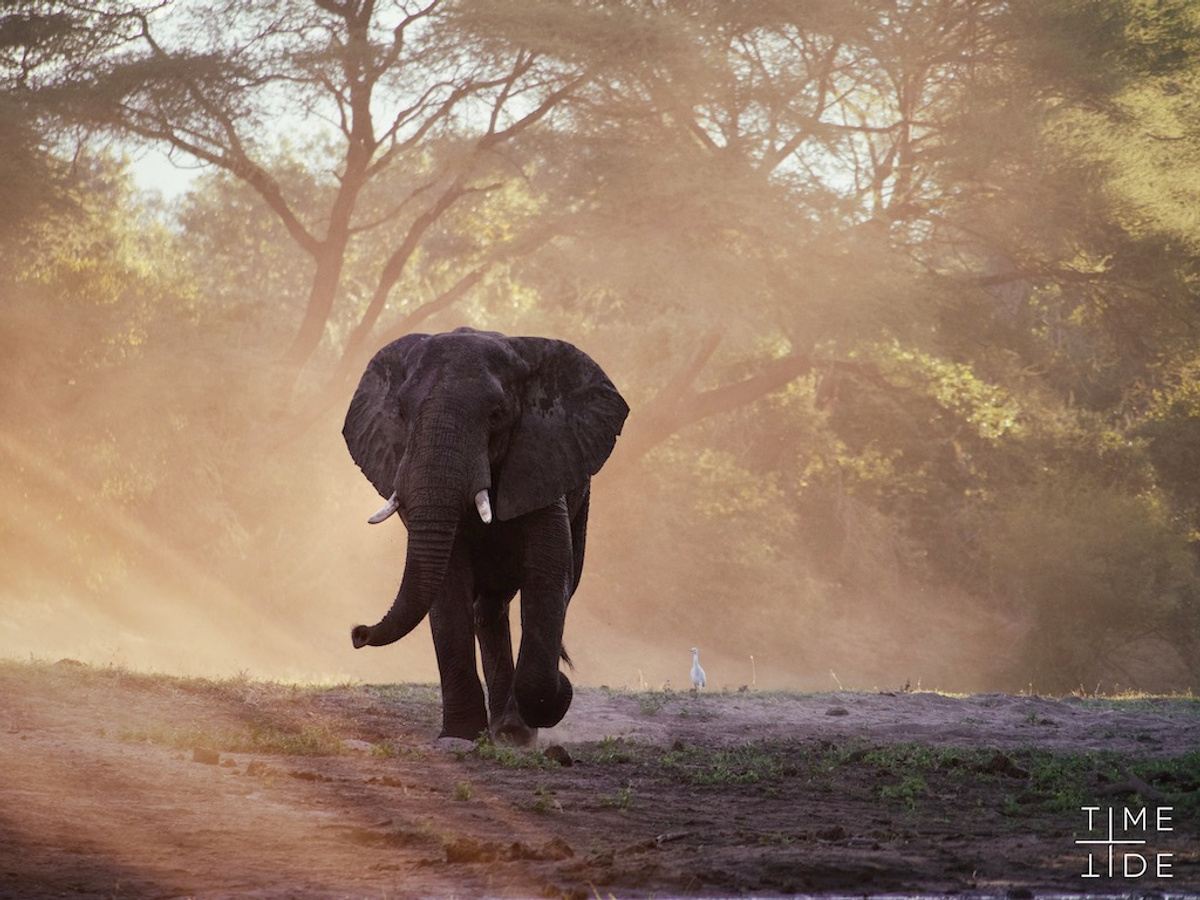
column 206, row 756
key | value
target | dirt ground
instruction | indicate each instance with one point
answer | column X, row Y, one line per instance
column 116, row 784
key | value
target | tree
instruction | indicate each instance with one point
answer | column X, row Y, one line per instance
column 38, row 42
column 407, row 124
column 771, row 160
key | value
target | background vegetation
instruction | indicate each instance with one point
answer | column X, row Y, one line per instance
column 904, row 296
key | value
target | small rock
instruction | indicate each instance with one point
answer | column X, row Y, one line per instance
column 837, row 711
column 306, row 775
column 360, row 746
column 1000, row 764
column 520, row 851
column 557, row 849
column 831, row 833
column 455, row 745
column 206, row 756
column 554, row 850
column 559, row 754
column 466, row 850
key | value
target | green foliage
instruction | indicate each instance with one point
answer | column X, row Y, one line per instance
column 1091, row 569
column 32, row 182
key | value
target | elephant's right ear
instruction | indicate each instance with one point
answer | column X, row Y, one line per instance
column 373, row 431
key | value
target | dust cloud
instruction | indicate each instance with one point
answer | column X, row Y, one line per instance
column 182, row 530
column 169, row 612
column 170, row 502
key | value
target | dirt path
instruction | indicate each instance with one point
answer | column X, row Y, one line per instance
column 121, row 785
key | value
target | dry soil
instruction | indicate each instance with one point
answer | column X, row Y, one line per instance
column 118, row 784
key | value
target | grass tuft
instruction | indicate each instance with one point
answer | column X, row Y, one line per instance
column 510, row 757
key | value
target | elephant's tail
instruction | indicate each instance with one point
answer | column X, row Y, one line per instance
column 566, row 657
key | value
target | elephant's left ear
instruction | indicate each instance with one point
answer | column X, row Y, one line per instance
column 571, row 415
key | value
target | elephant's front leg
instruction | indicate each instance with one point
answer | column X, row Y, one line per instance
column 495, row 645
column 542, row 692
column 452, row 621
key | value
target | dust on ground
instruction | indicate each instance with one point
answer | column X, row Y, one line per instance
column 117, row 784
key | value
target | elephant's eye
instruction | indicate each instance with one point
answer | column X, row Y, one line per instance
column 496, row 417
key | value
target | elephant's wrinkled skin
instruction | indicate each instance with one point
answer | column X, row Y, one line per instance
column 485, row 445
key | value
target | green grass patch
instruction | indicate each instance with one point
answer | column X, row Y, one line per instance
column 748, row 764
column 1186, row 704
column 611, row 751
column 621, row 799
column 511, row 757
column 908, row 790
column 545, row 800
column 651, row 703
column 919, row 759
column 1034, row 780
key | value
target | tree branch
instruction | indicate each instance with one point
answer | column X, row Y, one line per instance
column 674, row 409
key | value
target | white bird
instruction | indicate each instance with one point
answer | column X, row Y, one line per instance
column 698, row 680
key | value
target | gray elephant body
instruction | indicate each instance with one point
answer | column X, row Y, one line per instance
column 439, row 421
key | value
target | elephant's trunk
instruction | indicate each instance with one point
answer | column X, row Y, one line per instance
column 443, row 481
column 430, row 542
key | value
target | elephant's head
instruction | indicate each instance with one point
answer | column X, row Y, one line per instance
column 472, row 424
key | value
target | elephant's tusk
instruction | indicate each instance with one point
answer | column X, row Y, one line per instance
column 392, row 506
column 484, row 505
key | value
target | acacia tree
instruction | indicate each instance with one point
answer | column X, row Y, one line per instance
column 410, row 121
column 40, row 44
column 766, row 173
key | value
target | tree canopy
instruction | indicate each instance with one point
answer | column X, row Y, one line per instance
column 902, row 294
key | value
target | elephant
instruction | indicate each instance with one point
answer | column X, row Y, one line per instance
column 485, row 446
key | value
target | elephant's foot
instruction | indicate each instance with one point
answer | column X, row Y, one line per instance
column 510, row 727
column 541, row 708
column 515, row 732
column 467, row 725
